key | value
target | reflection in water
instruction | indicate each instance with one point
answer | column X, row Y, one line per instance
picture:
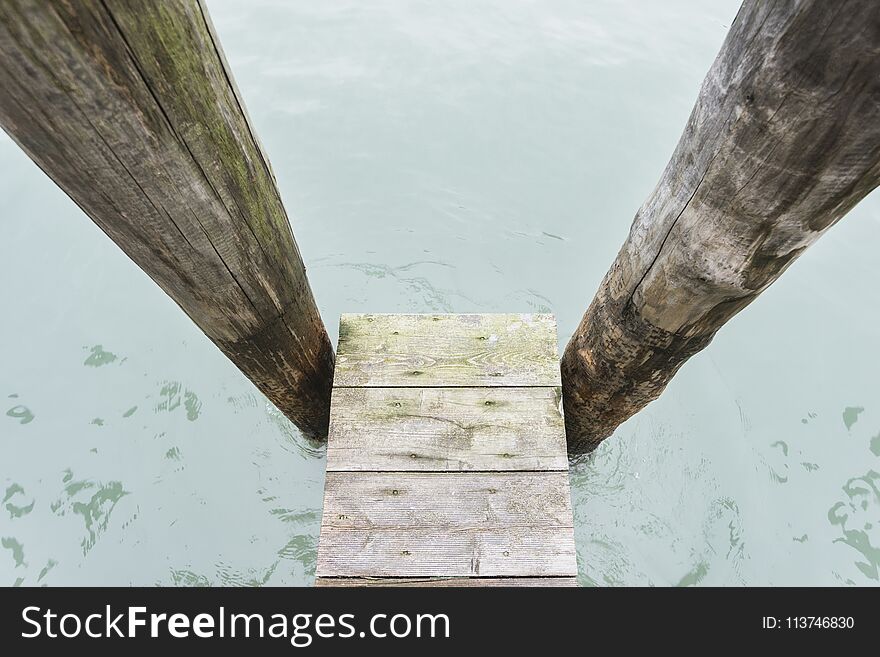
column 99, row 357
column 16, row 548
column 851, row 415
column 303, row 548
column 779, row 473
column 45, row 571
column 163, row 499
column 695, row 576
column 171, row 398
column 14, row 492
column 650, row 511
column 858, row 518
column 21, row 413
column 91, row 500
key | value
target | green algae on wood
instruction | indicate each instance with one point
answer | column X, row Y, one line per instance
column 438, row 350
column 456, row 475
column 132, row 110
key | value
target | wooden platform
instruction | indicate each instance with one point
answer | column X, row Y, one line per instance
column 446, row 461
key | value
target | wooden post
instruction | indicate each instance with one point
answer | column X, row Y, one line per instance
column 783, row 141
column 131, row 109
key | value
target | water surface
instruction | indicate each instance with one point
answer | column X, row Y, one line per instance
column 443, row 156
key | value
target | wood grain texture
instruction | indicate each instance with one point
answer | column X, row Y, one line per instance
column 452, row 477
column 446, row 429
column 451, row 582
column 783, row 141
column 447, row 350
column 442, row 524
column 132, row 110
column 485, row 501
column 447, row 552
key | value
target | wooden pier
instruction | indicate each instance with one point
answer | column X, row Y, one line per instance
column 447, row 458
column 446, row 461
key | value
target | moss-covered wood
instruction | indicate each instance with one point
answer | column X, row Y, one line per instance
column 131, row 109
column 783, row 141
column 377, row 350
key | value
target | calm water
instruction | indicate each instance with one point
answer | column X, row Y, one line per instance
column 456, row 156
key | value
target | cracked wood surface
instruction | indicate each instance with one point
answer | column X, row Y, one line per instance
column 459, row 480
column 783, row 141
column 446, row 429
column 132, row 110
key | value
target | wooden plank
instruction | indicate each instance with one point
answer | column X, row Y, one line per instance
column 447, row 350
column 456, row 475
column 131, row 109
column 532, row 582
column 445, row 524
column 465, row 500
column 447, row 552
column 446, row 429
column 784, row 139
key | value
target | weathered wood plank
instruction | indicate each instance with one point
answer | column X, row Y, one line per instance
column 532, row 501
column 783, row 141
column 455, row 476
column 436, row 524
column 131, row 109
column 446, row 552
column 446, row 429
column 531, row 582
column 447, row 350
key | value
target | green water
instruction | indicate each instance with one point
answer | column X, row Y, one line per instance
column 463, row 156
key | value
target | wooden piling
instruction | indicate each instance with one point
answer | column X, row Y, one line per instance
column 783, row 141
column 446, row 460
column 132, row 110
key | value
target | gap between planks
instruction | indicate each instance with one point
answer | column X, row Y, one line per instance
column 419, row 397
